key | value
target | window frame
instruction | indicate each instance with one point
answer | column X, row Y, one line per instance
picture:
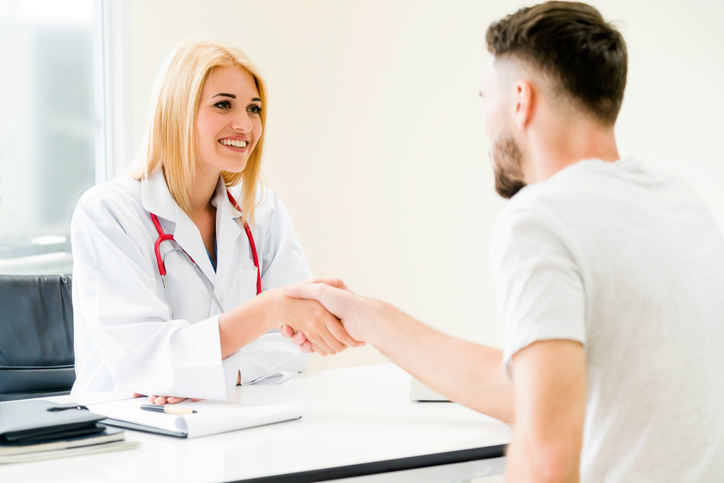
column 114, row 44
column 114, row 104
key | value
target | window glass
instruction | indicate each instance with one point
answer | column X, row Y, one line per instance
column 48, row 128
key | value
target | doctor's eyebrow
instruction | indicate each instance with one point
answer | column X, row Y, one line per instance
column 223, row 94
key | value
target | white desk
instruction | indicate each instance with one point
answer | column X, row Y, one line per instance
column 358, row 425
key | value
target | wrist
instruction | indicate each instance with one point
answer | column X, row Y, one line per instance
column 263, row 307
column 244, row 324
column 370, row 314
column 387, row 325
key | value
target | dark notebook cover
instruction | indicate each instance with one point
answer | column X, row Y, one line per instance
column 107, row 435
column 23, row 422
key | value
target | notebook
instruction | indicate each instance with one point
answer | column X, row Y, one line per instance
column 212, row 417
column 30, row 432
column 107, row 435
column 39, row 421
column 66, row 452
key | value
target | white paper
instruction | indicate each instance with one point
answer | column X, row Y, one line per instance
column 212, row 417
column 271, row 379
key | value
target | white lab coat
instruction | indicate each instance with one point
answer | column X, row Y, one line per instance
column 124, row 335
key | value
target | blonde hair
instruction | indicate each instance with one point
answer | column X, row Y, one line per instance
column 171, row 141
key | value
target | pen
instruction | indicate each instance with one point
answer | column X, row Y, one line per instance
column 178, row 411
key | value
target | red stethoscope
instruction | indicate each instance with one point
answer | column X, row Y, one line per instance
column 162, row 237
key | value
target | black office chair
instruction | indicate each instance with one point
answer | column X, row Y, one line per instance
column 36, row 336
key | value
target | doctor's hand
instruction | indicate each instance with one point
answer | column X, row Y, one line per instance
column 325, row 333
column 345, row 305
column 161, row 400
column 298, row 337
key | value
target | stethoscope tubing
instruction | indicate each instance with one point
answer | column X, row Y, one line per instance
column 163, row 236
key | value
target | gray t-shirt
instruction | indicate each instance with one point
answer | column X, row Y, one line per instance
column 629, row 262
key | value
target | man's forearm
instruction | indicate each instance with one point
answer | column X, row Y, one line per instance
column 467, row 373
column 462, row 371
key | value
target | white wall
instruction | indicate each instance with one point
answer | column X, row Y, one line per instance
column 376, row 137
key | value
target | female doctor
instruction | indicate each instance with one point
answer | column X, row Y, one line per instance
column 159, row 255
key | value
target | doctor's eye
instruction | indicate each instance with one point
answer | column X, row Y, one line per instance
column 223, row 105
column 254, row 108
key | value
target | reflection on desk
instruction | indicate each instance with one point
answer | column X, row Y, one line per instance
column 355, row 421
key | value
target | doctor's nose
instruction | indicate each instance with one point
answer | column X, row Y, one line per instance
column 242, row 123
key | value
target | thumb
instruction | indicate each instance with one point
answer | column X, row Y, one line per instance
column 335, row 300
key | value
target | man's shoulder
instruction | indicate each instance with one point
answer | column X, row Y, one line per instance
column 595, row 198
column 588, row 185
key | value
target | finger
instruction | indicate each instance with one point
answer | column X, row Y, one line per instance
column 318, row 350
column 175, row 400
column 331, row 342
column 334, row 300
column 286, row 331
column 325, row 340
column 334, row 282
column 135, row 394
column 196, row 400
column 336, row 343
column 299, row 338
column 160, row 400
column 323, row 346
column 339, row 332
column 306, row 347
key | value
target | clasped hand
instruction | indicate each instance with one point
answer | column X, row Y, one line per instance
column 311, row 326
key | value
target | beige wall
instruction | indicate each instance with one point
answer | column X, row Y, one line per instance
column 376, row 137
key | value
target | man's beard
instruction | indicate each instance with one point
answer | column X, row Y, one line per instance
column 507, row 167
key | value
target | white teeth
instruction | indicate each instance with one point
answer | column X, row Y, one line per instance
column 233, row 142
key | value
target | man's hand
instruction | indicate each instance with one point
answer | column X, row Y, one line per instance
column 341, row 302
column 423, row 352
column 321, row 328
column 272, row 309
column 298, row 337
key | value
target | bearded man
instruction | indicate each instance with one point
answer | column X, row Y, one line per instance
column 610, row 277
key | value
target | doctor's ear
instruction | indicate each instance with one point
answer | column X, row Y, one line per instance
column 524, row 97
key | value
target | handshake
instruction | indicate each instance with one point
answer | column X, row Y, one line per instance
column 323, row 315
column 318, row 315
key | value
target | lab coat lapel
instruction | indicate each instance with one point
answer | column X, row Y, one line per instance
column 228, row 232
column 188, row 236
column 157, row 199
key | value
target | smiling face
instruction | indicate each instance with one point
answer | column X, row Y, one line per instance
column 505, row 155
column 228, row 123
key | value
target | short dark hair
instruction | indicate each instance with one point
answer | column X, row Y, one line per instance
column 573, row 44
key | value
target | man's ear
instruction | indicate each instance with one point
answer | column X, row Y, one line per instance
column 524, row 99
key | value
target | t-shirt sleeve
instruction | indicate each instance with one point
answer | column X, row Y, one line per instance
column 539, row 284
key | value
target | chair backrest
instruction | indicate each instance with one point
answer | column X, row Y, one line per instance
column 36, row 336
